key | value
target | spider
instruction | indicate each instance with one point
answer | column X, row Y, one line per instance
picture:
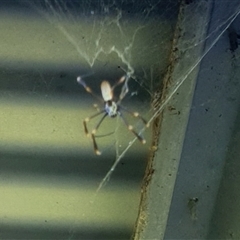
column 111, row 108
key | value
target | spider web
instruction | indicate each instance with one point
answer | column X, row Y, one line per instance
column 104, row 40
column 99, row 34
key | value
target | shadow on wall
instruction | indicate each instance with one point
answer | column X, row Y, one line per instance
column 226, row 216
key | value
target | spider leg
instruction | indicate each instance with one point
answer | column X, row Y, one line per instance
column 136, row 115
column 125, row 89
column 99, row 123
column 97, row 152
column 130, row 128
column 86, row 120
column 120, row 81
column 87, row 88
column 96, row 107
column 93, row 135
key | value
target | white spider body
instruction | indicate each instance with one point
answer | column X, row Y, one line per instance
column 111, row 107
column 107, row 92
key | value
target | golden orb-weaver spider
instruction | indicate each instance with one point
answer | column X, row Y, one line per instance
column 111, row 109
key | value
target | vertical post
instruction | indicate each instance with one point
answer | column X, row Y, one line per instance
column 171, row 118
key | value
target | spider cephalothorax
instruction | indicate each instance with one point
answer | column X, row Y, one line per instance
column 111, row 109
